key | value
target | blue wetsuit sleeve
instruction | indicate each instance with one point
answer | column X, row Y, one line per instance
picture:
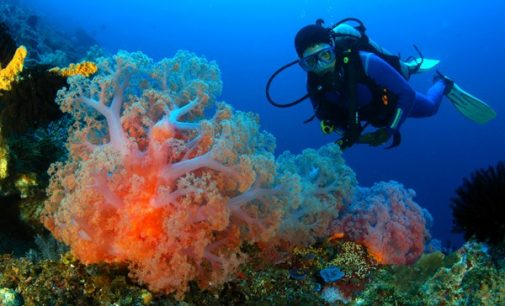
column 386, row 76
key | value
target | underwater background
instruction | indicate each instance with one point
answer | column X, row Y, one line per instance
column 242, row 43
column 249, row 40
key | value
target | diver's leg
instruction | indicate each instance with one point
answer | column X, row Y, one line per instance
column 428, row 105
column 379, row 49
column 406, row 68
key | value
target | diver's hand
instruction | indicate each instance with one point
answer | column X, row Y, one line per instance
column 377, row 137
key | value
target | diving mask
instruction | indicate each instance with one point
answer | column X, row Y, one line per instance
column 318, row 61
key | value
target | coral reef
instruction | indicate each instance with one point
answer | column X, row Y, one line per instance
column 307, row 264
column 162, row 184
column 4, row 157
column 15, row 235
column 7, row 45
column 30, row 154
column 47, row 248
column 354, row 260
column 9, row 297
column 156, row 184
column 46, row 44
column 386, row 220
column 27, row 111
column 67, row 282
column 162, row 190
column 84, row 68
column 30, row 127
column 152, row 181
column 32, row 132
column 268, row 286
column 29, row 104
column 9, row 73
column 357, row 265
column 321, row 184
column 28, row 143
column 22, row 187
column 466, row 277
column 478, row 208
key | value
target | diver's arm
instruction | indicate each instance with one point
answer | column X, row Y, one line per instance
column 385, row 75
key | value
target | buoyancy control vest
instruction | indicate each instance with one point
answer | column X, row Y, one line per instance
column 343, row 81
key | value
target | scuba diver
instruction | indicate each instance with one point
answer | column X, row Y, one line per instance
column 352, row 83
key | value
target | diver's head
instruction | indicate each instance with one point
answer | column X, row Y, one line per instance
column 314, row 48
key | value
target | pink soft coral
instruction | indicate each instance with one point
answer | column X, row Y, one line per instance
column 150, row 182
column 387, row 221
column 320, row 184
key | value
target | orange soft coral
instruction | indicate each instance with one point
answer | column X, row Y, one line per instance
column 151, row 182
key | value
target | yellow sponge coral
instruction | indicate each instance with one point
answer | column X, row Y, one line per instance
column 85, row 68
column 3, row 161
column 15, row 66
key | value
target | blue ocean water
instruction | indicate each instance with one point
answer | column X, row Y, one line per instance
column 251, row 39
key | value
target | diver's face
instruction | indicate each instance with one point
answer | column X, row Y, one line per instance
column 319, row 58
